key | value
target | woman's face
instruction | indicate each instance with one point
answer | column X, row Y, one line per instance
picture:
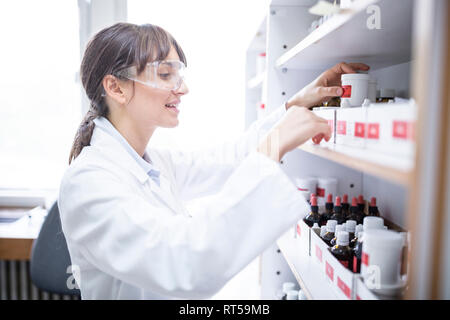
column 149, row 108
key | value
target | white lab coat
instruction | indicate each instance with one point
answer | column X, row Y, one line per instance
column 131, row 239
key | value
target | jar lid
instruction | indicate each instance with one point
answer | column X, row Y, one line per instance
column 382, row 238
column 355, row 76
column 323, row 230
column 350, row 225
column 373, row 223
column 342, row 238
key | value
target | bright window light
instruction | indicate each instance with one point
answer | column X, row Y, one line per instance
column 40, row 100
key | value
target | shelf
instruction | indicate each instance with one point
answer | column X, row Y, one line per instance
column 395, row 169
column 306, row 271
column 256, row 81
column 346, row 37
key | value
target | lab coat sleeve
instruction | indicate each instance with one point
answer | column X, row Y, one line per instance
column 201, row 173
column 127, row 237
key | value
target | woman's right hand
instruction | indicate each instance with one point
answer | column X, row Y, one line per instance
column 296, row 127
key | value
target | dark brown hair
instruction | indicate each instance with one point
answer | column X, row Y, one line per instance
column 111, row 50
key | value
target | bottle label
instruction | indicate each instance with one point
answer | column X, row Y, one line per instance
column 299, row 230
column 329, row 270
column 360, row 129
column 373, row 131
column 344, row 288
column 318, row 253
column 344, row 263
column 341, row 127
column 403, row 130
column 320, row 192
column 347, row 91
column 355, row 265
column 365, row 259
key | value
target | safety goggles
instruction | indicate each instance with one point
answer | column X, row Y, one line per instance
column 165, row 74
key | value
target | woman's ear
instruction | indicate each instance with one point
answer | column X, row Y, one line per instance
column 114, row 89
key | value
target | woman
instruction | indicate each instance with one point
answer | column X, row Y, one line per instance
column 121, row 204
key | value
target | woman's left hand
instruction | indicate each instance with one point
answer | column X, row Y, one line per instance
column 326, row 86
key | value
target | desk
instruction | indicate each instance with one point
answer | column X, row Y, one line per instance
column 16, row 238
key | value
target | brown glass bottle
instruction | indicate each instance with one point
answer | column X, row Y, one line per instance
column 354, row 241
column 341, row 251
column 313, row 216
column 339, row 228
column 345, row 206
column 329, row 235
column 326, row 215
column 361, row 204
column 373, row 209
column 337, row 212
column 355, row 214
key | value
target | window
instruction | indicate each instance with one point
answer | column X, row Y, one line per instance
column 40, row 104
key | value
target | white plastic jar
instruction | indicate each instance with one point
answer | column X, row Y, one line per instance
column 356, row 88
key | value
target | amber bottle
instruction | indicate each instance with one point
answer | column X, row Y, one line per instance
column 373, row 209
column 361, row 204
column 355, row 214
column 326, row 215
column 337, row 212
column 313, row 216
column 341, row 251
column 329, row 235
column 345, row 206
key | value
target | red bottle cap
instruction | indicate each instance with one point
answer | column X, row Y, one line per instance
column 361, row 199
column 338, row 202
column 330, row 198
column 313, row 201
column 345, row 198
column 373, row 202
column 354, row 202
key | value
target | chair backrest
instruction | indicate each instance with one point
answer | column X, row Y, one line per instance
column 50, row 257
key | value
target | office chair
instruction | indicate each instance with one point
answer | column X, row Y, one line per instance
column 50, row 257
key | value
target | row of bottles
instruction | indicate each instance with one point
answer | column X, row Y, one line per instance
column 341, row 211
column 341, row 227
column 289, row 291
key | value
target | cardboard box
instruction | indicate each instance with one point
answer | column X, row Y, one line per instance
column 390, row 128
column 328, row 113
column 340, row 278
column 351, row 126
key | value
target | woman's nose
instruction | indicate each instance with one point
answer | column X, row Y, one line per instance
column 183, row 89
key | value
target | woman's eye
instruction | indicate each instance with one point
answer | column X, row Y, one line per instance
column 164, row 75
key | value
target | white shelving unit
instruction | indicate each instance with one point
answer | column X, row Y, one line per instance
column 399, row 54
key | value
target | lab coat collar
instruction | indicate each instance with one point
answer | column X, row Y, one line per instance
column 114, row 150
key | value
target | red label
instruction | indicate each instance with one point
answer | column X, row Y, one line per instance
column 262, row 106
column 341, row 127
column 373, row 131
column 400, row 129
column 301, row 189
column 358, row 297
column 344, row 263
column 344, row 288
column 355, row 265
column 347, row 91
column 360, row 129
column 320, row 192
column 365, row 259
column 329, row 270
column 318, row 253
column 298, row 230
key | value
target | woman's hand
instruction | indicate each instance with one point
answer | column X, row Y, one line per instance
column 296, row 127
column 326, row 86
